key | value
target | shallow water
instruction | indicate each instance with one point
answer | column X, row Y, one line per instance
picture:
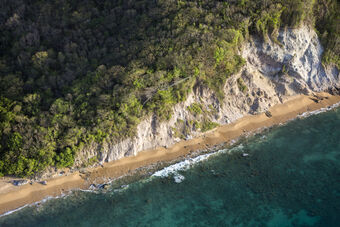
column 291, row 177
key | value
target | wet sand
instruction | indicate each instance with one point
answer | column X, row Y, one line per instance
column 12, row 197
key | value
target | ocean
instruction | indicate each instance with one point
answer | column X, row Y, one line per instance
column 287, row 175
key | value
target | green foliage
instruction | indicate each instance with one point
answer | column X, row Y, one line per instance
column 92, row 161
column 212, row 110
column 195, row 109
column 6, row 115
column 177, row 133
column 14, row 142
column 31, row 104
column 2, row 168
column 241, row 85
column 208, row 125
column 59, row 106
column 162, row 103
column 227, row 60
column 65, row 159
column 39, row 58
column 269, row 22
column 330, row 57
column 327, row 19
column 84, row 71
column 284, row 70
column 297, row 12
column 196, row 125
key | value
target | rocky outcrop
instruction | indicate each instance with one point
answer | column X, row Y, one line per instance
column 273, row 71
column 295, row 64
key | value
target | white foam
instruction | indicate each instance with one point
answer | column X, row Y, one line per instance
column 232, row 142
column 239, row 147
column 122, row 188
column 33, row 204
column 13, row 211
column 63, row 195
column 179, row 178
column 322, row 110
column 184, row 165
column 89, row 190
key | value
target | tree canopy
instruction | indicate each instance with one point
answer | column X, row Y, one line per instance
column 73, row 72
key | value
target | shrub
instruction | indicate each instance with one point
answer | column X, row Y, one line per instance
column 241, row 85
column 195, row 109
column 208, row 125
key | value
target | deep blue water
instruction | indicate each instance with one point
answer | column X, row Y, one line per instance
column 290, row 178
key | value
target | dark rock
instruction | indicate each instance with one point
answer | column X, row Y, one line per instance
column 43, row 182
column 315, row 100
column 255, row 106
column 268, row 114
column 19, row 182
column 93, row 187
column 103, row 186
column 334, row 91
column 124, row 186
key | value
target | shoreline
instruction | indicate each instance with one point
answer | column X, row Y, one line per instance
column 13, row 197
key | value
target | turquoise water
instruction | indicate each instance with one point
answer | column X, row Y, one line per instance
column 290, row 178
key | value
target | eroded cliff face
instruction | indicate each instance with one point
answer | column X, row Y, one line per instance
column 273, row 72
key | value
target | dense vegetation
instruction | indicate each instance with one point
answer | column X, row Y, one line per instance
column 76, row 72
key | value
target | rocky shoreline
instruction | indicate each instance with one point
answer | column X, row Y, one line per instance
column 12, row 197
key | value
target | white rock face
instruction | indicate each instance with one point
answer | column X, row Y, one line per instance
column 272, row 73
column 300, row 54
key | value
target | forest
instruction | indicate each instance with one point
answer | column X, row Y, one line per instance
column 75, row 72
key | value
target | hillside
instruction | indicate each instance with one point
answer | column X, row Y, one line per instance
column 79, row 77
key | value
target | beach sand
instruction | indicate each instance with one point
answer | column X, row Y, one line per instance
column 12, row 197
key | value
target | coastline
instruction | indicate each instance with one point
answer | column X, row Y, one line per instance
column 13, row 197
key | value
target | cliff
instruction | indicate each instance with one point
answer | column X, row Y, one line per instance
column 274, row 70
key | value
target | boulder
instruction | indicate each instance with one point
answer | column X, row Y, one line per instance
column 268, row 114
column 19, row 182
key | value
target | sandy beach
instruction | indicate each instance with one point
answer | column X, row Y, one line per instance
column 12, row 197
